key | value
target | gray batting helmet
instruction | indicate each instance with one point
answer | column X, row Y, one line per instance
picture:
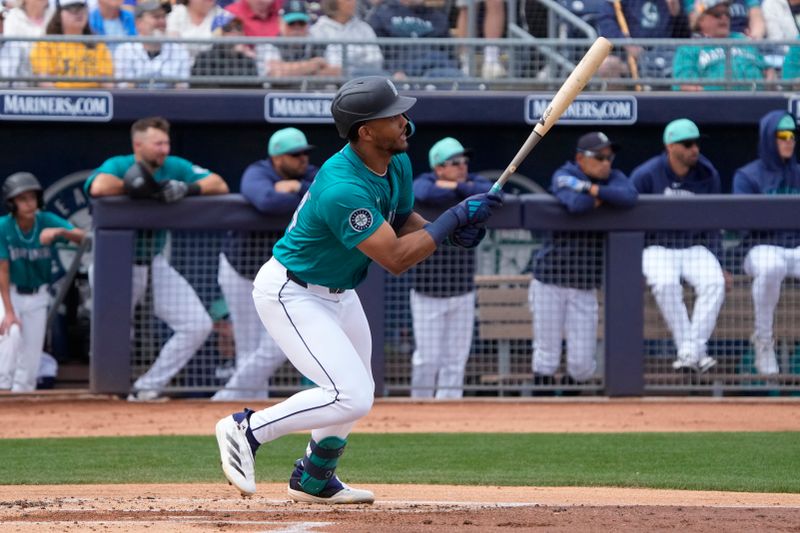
column 18, row 183
column 364, row 99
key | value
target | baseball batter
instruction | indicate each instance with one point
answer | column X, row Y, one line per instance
column 26, row 237
column 358, row 210
column 150, row 172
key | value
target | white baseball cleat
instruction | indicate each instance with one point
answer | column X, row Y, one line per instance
column 766, row 360
column 238, row 462
column 335, row 492
column 706, row 363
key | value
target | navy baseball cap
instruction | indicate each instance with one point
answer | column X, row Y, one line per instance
column 596, row 141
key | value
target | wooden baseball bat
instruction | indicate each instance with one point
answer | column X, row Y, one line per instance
column 623, row 26
column 573, row 85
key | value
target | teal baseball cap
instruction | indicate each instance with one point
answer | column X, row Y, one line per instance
column 679, row 130
column 294, row 11
column 288, row 141
column 444, row 150
column 787, row 123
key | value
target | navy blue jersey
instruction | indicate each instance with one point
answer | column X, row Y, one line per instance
column 576, row 260
column 450, row 270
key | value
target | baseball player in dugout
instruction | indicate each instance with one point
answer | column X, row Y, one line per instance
column 443, row 293
column 669, row 257
column 359, row 209
column 274, row 186
column 27, row 234
column 772, row 255
column 150, row 172
column 568, row 269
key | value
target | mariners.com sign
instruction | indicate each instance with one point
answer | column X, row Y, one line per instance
column 72, row 106
column 298, row 108
column 586, row 110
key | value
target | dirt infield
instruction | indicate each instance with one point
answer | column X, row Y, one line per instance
column 400, row 507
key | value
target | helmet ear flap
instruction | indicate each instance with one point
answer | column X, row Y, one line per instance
column 410, row 127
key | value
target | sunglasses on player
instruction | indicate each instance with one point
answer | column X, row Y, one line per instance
column 688, row 143
column 298, row 154
column 600, row 157
column 785, row 135
column 456, row 161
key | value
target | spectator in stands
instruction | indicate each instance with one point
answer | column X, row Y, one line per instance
column 151, row 172
column 781, row 18
column 275, row 186
column 568, row 269
column 340, row 23
column 196, row 19
column 670, row 257
column 772, row 255
column 151, row 62
column 110, row 19
column 412, row 19
column 494, row 22
column 71, row 59
column 746, row 16
column 293, row 59
column 642, row 19
column 28, row 20
column 15, row 55
column 791, row 65
column 260, row 17
column 443, row 293
column 226, row 59
column 697, row 62
column 27, row 235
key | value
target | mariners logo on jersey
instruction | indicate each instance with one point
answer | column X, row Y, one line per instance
column 67, row 199
column 360, row 219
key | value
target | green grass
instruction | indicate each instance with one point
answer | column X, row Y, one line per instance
column 759, row 462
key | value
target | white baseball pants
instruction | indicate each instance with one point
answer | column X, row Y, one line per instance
column 442, row 336
column 257, row 355
column 176, row 303
column 769, row 265
column 563, row 312
column 19, row 364
column 327, row 338
column 664, row 268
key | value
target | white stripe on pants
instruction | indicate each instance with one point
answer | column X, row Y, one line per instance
column 769, row 265
column 176, row 303
column 563, row 312
column 442, row 336
column 326, row 337
column 257, row 355
column 664, row 268
column 21, row 369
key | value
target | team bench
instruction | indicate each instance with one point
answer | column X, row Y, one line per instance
column 503, row 315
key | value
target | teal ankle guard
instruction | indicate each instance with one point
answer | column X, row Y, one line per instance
column 320, row 462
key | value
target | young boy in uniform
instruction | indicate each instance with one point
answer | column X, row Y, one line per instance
column 26, row 237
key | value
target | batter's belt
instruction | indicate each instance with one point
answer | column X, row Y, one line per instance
column 293, row 277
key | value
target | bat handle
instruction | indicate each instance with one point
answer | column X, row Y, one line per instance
column 496, row 188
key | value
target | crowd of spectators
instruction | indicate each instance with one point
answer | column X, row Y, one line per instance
column 203, row 24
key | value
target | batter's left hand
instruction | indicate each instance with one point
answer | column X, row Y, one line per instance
column 468, row 236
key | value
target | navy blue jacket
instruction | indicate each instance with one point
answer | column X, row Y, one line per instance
column 769, row 174
column 575, row 260
column 655, row 176
column 247, row 251
column 450, row 270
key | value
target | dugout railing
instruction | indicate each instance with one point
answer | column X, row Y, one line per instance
column 429, row 64
column 635, row 350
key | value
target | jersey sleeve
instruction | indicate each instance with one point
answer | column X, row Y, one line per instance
column 114, row 166
column 187, row 171
column 4, row 255
column 51, row 220
column 350, row 214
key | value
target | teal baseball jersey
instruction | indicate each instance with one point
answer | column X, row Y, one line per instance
column 709, row 62
column 30, row 262
column 175, row 168
column 346, row 204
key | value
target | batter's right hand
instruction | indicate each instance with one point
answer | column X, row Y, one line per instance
column 476, row 209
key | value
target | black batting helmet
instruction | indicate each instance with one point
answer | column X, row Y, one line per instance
column 367, row 98
column 18, row 183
